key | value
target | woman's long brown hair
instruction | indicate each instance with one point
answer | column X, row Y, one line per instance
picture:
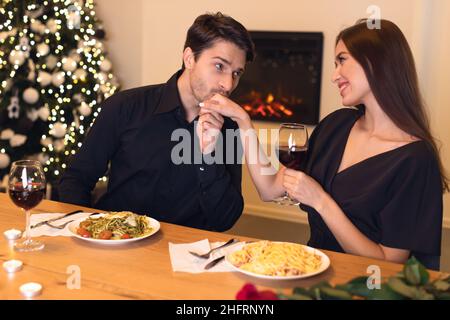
column 388, row 63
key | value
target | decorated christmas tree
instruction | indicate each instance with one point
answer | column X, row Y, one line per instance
column 54, row 74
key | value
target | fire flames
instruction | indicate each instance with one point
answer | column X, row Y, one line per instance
column 267, row 106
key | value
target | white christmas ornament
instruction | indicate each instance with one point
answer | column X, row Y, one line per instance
column 99, row 45
column 36, row 13
column 77, row 97
column 17, row 140
column 32, row 70
column 44, row 78
column 31, row 95
column 4, row 160
column 33, row 114
column 80, row 74
column 74, row 55
column 13, row 108
column 73, row 17
column 105, row 65
column 4, row 35
column 102, row 77
column 46, row 142
column 52, row 25
column 51, row 61
column 58, row 78
column 37, row 26
column 84, row 109
column 58, row 130
column 43, row 49
column 58, row 145
column 44, row 113
column 42, row 158
column 69, row 64
column 17, row 57
column 7, row 134
column 24, row 43
column 9, row 84
column 104, row 89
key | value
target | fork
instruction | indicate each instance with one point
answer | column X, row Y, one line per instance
column 208, row 254
column 54, row 219
column 62, row 226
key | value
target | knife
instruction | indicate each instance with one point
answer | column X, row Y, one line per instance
column 213, row 263
column 54, row 219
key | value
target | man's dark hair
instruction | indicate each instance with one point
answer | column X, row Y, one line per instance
column 209, row 28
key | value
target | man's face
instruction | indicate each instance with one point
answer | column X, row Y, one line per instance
column 217, row 70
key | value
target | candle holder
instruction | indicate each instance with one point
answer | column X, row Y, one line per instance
column 12, row 234
column 31, row 289
column 12, row 266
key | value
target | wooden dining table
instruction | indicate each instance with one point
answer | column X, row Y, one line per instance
column 141, row 269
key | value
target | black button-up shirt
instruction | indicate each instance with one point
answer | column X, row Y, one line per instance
column 133, row 133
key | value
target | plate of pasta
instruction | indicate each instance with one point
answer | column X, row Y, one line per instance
column 114, row 228
column 278, row 260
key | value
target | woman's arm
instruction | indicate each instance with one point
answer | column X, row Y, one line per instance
column 308, row 191
column 268, row 182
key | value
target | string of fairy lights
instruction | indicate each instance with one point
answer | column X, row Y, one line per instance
column 73, row 72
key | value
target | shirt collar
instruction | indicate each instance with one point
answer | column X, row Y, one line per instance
column 170, row 97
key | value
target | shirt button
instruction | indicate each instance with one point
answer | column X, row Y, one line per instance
column 202, row 169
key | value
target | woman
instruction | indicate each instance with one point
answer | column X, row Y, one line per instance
column 373, row 181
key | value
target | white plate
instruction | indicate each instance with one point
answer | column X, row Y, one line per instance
column 73, row 226
column 324, row 266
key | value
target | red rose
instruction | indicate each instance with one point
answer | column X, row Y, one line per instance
column 249, row 292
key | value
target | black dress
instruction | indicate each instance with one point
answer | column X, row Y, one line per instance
column 394, row 198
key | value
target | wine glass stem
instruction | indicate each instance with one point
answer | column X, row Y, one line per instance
column 27, row 226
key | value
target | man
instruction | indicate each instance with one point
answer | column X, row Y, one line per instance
column 133, row 134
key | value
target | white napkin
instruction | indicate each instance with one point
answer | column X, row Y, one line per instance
column 45, row 230
column 183, row 261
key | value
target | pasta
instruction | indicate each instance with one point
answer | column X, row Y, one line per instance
column 276, row 259
column 114, row 226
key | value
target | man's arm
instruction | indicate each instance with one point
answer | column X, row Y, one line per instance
column 221, row 199
column 91, row 160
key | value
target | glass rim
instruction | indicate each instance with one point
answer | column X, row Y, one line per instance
column 292, row 125
column 20, row 163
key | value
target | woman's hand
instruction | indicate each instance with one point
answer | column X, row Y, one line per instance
column 227, row 108
column 305, row 189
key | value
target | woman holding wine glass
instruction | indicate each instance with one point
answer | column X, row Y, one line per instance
column 372, row 180
column 26, row 188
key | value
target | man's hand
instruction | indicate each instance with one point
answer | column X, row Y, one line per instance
column 208, row 129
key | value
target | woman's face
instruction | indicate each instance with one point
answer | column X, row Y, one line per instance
column 350, row 78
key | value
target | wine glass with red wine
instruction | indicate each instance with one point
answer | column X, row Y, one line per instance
column 291, row 151
column 26, row 188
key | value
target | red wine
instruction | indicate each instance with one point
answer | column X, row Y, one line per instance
column 293, row 157
column 27, row 198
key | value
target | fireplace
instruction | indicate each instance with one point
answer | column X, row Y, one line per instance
column 283, row 83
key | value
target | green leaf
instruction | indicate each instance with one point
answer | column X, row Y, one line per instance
column 334, row 294
column 384, row 293
column 441, row 285
column 294, row 297
column 302, row 291
column 357, row 287
column 415, row 273
column 321, row 284
column 402, row 288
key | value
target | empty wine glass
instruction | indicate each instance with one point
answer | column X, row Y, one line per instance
column 26, row 188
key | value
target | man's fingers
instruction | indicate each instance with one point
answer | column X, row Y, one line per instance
column 212, row 120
